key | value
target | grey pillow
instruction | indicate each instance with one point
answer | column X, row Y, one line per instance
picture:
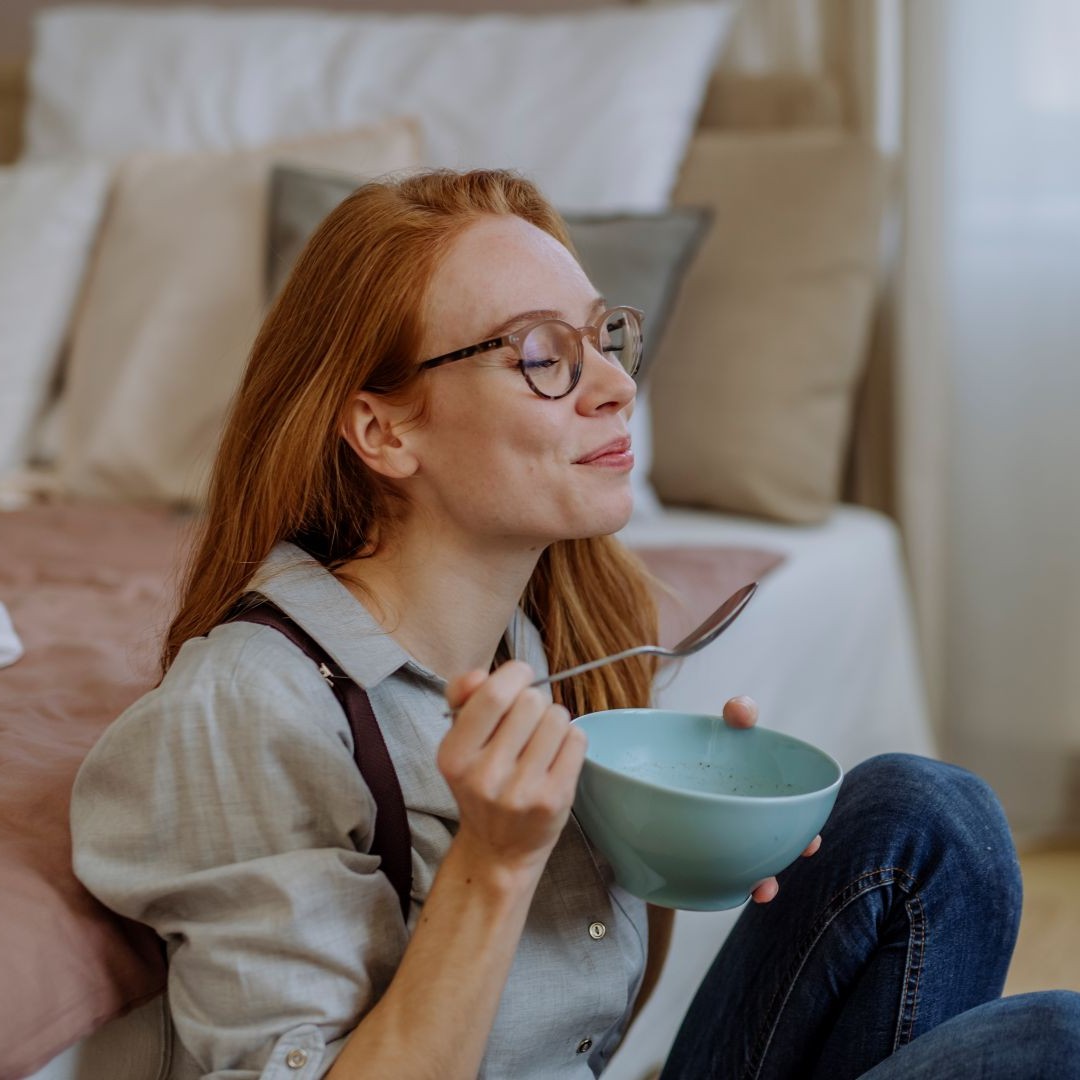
column 634, row 259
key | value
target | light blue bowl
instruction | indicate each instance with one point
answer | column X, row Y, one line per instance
column 692, row 813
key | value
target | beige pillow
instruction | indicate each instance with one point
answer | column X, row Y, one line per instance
column 753, row 385
column 173, row 302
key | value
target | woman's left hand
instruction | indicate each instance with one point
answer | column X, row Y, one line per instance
column 742, row 712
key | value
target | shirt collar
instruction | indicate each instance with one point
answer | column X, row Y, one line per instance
column 313, row 598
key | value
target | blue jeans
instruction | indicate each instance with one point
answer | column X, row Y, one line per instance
column 885, row 954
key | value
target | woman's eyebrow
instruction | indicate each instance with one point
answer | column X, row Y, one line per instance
column 521, row 317
column 598, row 305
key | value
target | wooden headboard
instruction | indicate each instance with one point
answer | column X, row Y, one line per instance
column 12, row 106
column 16, row 16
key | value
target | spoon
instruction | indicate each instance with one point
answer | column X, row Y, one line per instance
column 697, row 639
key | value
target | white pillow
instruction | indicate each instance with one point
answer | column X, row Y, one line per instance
column 49, row 214
column 597, row 107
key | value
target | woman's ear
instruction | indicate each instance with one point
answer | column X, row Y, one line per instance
column 372, row 426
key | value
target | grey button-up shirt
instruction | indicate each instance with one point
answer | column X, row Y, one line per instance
column 225, row 810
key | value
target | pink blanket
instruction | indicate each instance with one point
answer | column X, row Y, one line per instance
column 88, row 588
column 85, row 587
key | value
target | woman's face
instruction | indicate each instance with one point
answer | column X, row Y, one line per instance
column 493, row 457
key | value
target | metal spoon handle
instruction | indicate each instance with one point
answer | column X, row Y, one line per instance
column 697, row 639
column 638, row 650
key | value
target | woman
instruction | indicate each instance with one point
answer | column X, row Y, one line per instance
column 422, row 469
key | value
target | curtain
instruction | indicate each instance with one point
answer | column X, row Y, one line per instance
column 967, row 430
column 994, row 269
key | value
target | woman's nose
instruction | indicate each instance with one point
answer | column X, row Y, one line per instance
column 604, row 379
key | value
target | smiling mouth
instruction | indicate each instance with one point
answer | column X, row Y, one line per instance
column 618, row 449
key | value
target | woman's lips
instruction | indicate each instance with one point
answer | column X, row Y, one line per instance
column 617, row 455
column 618, row 459
column 606, row 454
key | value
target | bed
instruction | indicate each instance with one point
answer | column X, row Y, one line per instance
column 752, row 463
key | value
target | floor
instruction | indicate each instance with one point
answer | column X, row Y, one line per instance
column 1048, row 951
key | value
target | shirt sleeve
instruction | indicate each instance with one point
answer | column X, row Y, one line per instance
column 225, row 810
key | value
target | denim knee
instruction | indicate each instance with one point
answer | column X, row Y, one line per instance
column 948, row 796
column 1058, row 1013
column 948, row 811
column 1045, row 1021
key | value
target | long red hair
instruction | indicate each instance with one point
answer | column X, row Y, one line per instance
column 349, row 317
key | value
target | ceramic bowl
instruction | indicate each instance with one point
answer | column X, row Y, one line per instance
column 692, row 813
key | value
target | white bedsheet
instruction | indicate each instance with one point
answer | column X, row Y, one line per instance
column 827, row 648
column 11, row 648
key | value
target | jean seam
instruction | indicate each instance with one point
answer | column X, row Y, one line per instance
column 883, row 876
column 915, row 962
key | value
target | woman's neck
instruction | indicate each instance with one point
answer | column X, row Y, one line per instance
column 446, row 605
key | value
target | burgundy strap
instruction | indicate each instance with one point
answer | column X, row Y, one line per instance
column 392, row 841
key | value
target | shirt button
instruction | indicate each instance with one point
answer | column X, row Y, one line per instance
column 597, row 930
column 296, row 1059
column 584, row 1046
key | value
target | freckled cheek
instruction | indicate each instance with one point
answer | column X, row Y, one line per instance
column 504, row 449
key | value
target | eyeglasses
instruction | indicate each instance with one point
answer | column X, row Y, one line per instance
column 551, row 353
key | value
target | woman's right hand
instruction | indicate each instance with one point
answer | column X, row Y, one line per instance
column 512, row 760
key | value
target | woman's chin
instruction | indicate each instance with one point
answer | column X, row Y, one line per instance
column 610, row 516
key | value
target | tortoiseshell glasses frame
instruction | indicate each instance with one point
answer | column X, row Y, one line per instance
column 626, row 318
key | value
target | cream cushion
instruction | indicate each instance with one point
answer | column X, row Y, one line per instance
column 172, row 305
column 755, row 379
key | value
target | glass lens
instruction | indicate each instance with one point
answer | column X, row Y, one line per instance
column 550, row 350
column 620, row 339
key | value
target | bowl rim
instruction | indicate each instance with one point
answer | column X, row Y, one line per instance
column 718, row 797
